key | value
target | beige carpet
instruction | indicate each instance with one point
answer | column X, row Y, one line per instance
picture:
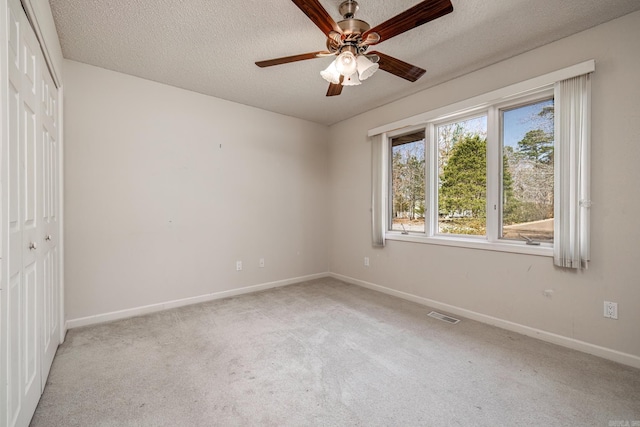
column 330, row 354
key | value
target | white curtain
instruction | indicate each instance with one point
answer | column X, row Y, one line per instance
column 572, row 169
column 378, row 189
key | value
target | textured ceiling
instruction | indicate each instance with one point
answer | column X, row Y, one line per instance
column 210, row 46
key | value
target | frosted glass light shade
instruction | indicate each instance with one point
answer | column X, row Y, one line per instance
column 351, row 80
column 366, row 68
column 331, row 73
column 346, row 63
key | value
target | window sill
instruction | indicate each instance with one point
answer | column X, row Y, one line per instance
column 473, row 243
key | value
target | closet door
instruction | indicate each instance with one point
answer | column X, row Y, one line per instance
column 49, row 221
column 24, row 262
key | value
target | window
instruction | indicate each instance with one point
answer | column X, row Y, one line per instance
column 527, row 171
column 481, row 175
column 507, row 171
column 462, row 176
column 408, row 182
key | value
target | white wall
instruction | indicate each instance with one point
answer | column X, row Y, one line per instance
column 510, row 286
column 165, row 189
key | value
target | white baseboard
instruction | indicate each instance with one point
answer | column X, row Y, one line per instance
column 137, row 311
column 585, row 347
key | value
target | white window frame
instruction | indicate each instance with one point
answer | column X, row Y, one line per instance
column 520, row 93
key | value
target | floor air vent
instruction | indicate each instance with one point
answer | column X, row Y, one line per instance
column 443, row 317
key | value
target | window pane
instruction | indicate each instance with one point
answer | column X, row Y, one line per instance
column 527, row 172
column 462, row 177
column 408, row 182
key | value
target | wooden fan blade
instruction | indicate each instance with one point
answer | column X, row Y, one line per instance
column 399, row 68
column 419, row 14
column 294, row 58
column 335, row 89
column 314, row 10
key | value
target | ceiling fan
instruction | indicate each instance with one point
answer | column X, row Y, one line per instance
column 350, row 38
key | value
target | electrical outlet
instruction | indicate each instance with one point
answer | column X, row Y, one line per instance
column 261, row 263
column 238, row 265
column 366, row 261
column 611, row 310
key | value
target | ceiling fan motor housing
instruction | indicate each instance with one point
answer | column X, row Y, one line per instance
column 353, row 27
column 352, row 30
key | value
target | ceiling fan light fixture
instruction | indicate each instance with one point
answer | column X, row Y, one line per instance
column 365, row 67
column 331, row 73
column 346, row 63
column 351, row 80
